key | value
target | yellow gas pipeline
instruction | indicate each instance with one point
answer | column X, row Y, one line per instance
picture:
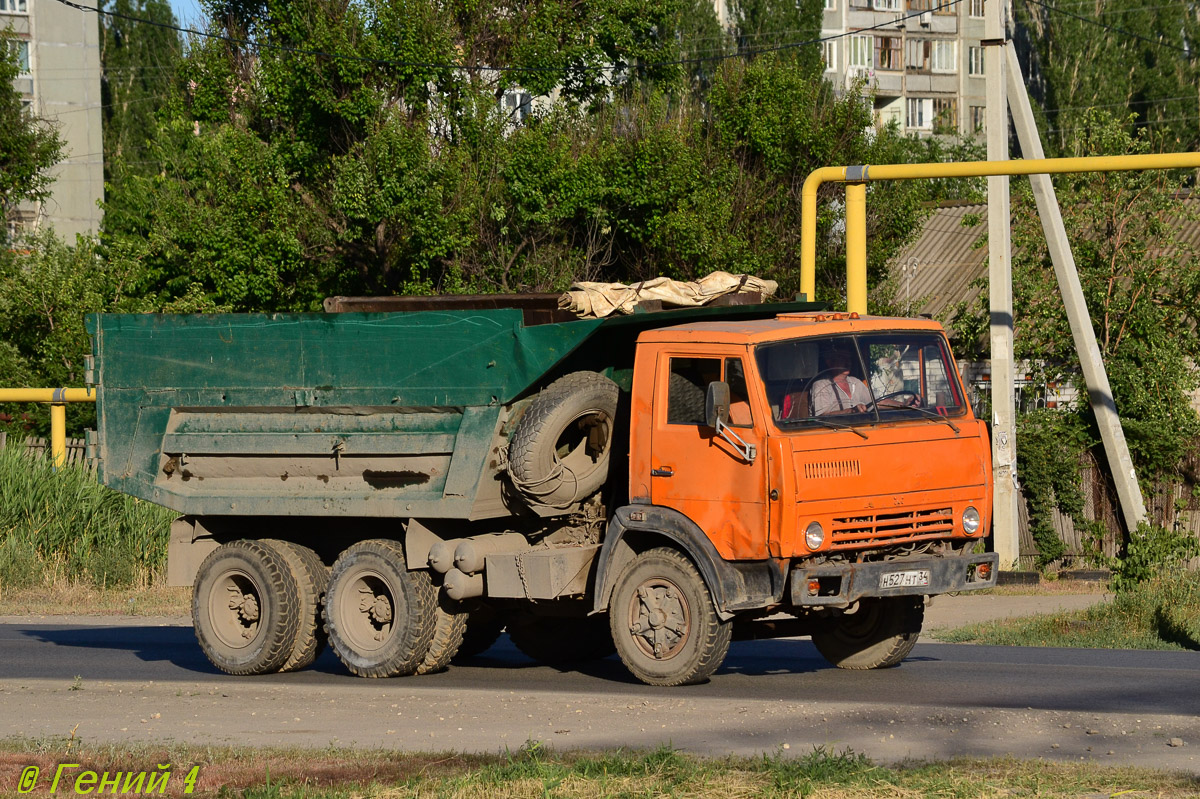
column 58, row 399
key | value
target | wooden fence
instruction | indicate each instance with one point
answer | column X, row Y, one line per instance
column 41, row 447
column 1168, row 504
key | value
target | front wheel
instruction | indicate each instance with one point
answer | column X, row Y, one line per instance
column 879, row 634
column 380, row 616
column 664, row 624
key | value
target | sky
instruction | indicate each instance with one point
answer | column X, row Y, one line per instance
column 186, row 11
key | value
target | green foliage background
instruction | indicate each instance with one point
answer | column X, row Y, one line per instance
column 306, row 148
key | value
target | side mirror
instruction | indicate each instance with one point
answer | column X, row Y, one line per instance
column 716, row 404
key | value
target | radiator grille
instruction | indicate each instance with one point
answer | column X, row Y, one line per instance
column 820, row 471
column 854, row 532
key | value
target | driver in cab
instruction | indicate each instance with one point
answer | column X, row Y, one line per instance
column 841, row 392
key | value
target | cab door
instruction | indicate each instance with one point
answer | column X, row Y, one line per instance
column 695, row 471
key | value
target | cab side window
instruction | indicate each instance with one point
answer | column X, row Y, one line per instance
column 739, row 395
column 687, row 387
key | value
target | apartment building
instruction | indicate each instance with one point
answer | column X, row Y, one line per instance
column 58, row 48
column 926, row 71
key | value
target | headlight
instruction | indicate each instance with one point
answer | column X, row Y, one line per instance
column 814, row 536
column 970, row 519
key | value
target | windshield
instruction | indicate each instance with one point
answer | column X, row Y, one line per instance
column 860, row 379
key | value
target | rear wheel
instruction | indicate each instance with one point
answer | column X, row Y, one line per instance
column 246, row 608
column 555, row 640
column 449, row 625
column 380, row 616
column 311, row 576
column 664, row 624
column 880, row 633
column 483, row 628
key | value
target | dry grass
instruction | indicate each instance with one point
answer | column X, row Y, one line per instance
column 535, row 771
column 63, row 596
column 1050, row 588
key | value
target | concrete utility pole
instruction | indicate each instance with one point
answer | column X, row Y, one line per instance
column 1004, row 428
column 1099, row 391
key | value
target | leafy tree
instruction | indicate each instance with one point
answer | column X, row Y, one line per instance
column 1121, row 55
column 1143, row 294
column 28, row 146
column 139, row 62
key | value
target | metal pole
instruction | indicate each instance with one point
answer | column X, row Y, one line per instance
column 58, row 434
column 1133, row 507
column 1005, row 519
column 856, row 248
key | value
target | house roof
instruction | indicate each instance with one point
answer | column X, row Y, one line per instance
column 935, row 272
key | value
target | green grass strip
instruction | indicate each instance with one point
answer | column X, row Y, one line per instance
column 1162, row 613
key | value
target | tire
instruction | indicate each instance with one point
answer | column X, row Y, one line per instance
column 663, row 583
column 246, row 608
column 449, row 625
column 483, row 629
column 555, row 641
column 311, row 576
column 561, row 447
column 379, row 615
column 880, row 634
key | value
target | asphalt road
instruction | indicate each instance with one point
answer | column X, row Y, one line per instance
column 943, row 675
column 138, row 681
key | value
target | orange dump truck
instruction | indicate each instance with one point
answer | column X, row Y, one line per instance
column 406, row 484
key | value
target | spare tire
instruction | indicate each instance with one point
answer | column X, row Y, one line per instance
column 560, row 449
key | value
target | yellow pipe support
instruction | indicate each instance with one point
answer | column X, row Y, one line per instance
column 47, row 395
column 966, row 169
column 57, row 397
column 58, row 434
column 856, row 248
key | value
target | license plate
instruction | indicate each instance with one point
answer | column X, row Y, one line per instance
column 904, row 579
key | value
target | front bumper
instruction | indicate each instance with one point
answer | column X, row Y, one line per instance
column 844, row 583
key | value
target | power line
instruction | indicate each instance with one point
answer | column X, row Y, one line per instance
column 1111, row 28
column 435, row 65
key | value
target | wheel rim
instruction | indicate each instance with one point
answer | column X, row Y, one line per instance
column 862, row 624
column 235, row 608
column 583, row 442
column 660, row 620
column 367, row 611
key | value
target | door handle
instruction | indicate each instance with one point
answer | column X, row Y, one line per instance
column 665, row 471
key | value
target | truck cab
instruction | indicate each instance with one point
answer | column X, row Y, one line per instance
column 820, row 463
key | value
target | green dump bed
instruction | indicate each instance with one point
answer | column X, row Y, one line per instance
column 349, row 414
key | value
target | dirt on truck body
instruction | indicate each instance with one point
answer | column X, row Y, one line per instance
column 404, row 484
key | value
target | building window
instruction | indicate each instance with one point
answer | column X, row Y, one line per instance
column 831, row 5
column 978, row 118
column 916, row 55
column 829, row 55
column 887, row 52
column 860, row 3
column 920, row 113
column 887, row 5
column 975, row 60
column 19, row 50
column 921, row 5
column 860, row 51
column 976, row 8
column 14, row 6
column 945, row 114
column 516, row 104
column 943, row 56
